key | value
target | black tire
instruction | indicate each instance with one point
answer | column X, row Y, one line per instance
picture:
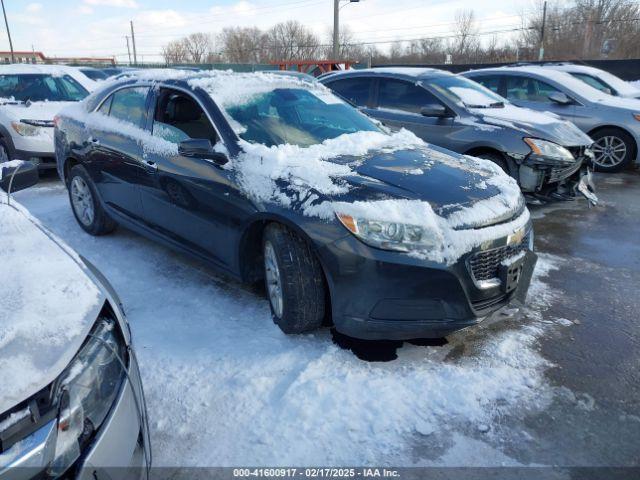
column 4, row 152
column 497, row 159
column 101, row 223
column 301, row 281
column 620, row 136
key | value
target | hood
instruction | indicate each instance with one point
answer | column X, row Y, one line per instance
column 48, row 304
column 34, row 111
column 449, row 182
column 546, row 126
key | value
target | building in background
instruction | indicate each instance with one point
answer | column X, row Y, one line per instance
column 40, row 58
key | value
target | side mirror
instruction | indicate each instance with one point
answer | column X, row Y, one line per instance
column 560, row 98
column 16, row 176
column 608, row 91
column 201, row 148
column 435, row 110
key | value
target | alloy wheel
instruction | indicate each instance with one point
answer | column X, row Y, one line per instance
column 274, row 282
column 82, row 201
column 609, row 151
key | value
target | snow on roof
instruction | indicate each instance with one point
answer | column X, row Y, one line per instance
column 566, row 79
column 24, row 68
column 624, row 88
column 47, row 305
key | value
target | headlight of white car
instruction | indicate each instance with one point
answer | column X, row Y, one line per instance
column 400, row 237
column 25, row 129
column 87, row 391
column 546, row 149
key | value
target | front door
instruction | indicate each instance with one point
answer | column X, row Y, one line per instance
column 532, row 93
column 399, row 104
column 193, row 201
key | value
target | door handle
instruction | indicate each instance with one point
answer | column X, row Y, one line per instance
column 151, row 165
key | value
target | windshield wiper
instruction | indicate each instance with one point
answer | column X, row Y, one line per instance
column 490, row 105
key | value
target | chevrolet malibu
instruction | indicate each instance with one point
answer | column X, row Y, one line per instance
column 71, row 402
column 273, row 178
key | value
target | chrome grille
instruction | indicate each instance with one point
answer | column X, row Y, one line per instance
column 485, row 265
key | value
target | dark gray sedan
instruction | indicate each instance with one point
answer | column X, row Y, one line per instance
column 541, row 151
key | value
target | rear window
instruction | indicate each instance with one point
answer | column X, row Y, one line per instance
column 41, row 87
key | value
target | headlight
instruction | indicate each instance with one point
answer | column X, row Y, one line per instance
column 87, row 390
column 25, row 129
column 400, row 237
column 546, row 149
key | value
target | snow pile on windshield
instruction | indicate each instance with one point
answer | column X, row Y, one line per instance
column 472, row 97
column 46, row 300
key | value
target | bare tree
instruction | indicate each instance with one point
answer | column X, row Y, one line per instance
column 292, row 41
column 465, row 41
column 199, row 46
column 175, row 52
column 243, row 45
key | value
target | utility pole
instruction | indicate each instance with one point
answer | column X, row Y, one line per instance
column 133, row 41
column 4, row 12
column 544, row 24
column 336, row 29
column 128, row 51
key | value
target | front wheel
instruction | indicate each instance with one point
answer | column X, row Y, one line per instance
column 85, row 204
column 293, row 280
column 613, row 150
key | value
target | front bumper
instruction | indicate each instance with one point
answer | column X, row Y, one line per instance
column 118, row 447
column 377, row 294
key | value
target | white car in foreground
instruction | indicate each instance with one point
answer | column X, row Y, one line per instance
column 30, row 97
column 71, row 401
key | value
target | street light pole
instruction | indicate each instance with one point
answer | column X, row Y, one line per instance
column 4, row 12
column 544, row 24
column 336, row 29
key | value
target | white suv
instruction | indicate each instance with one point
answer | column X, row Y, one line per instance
column 30, row 96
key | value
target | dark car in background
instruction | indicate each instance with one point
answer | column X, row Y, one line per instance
column 545, row 154
column 612, row 122
column 94, row 74
column 272, row 177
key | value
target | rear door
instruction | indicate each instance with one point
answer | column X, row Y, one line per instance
column 192, row 201
column 115, row 151
column 398, row 104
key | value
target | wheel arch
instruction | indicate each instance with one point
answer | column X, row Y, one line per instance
column 67, row 165
column 250, row 251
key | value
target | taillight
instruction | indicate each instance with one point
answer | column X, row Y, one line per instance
column 56, row 121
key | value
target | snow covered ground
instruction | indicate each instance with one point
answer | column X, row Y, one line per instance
column 225, row 387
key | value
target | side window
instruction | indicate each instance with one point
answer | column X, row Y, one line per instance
column 405, row 96
column 356, row 90
column 179, row 117
column 492, row 82
column 106, row 106
column 128, row 105
column 529, row 89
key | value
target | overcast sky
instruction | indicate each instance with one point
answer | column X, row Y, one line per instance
column 98, row 27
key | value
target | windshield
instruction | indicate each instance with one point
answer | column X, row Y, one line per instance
column 297, row 116
column 608, row 80
column 467, row 92
column 95, row 74
column 39, row 87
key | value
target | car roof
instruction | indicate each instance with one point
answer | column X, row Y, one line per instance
column 401, row 72
column 572, row 67
column 552, row 74
column 26, row 68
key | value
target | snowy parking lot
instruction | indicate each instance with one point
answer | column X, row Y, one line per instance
column 226, row 387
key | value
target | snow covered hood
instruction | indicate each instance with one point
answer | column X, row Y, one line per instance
column 48, row 304
column 535, row 124
column 33, row 111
